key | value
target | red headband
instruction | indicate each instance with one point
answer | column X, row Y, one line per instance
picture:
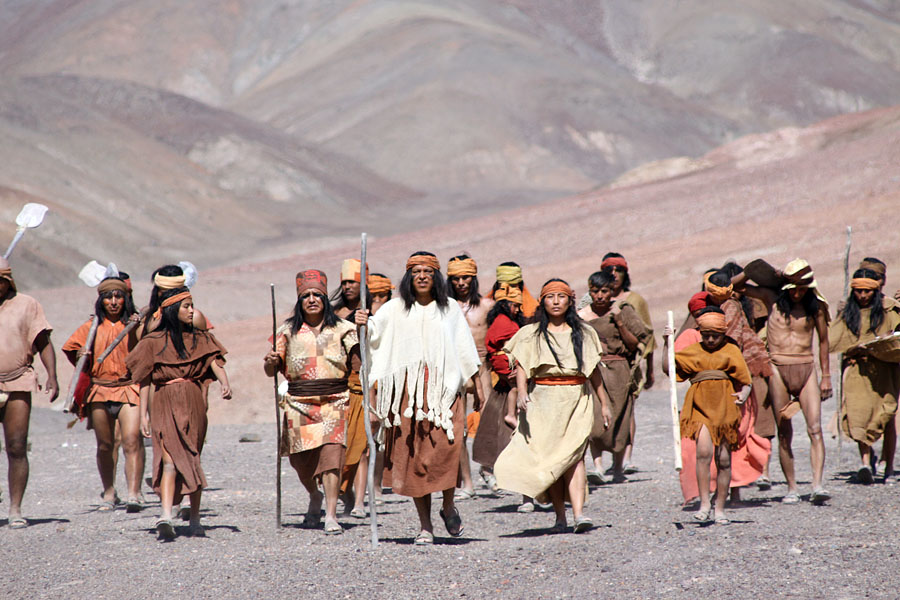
column 698, row 301
column 312, row 279
column 614, row 261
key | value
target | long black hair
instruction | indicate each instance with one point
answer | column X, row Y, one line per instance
column 173, row 327
column 298, row 317
column 626, row 283
column 730, row 270
column 474, row 297
column 438, row 289
column 850, row 312
column 338, row 301
column 156, row 293
column 502, row 307
column 809, row 302
column 127, row 310
column 575, row 322
column 390, row 293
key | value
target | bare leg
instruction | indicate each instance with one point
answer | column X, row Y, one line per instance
column 117, row 443
column 196, row 528
column 167, row 486
column 130, row 426
column 465, row 468
column 704, row 458
column 15, row 430
column 889, row 447
column 575, row 482
column 510, row 417
column 632, row 428
column 723, row 477
column 331, row 482
column 557, row 497
column 865, row 453
column 360, row 483
column 811, row 404
column 423, row 508
column 780, row 398
column 104, row 431
column 619, row 466
column 315, row 496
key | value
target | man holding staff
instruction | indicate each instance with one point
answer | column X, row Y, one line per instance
column 25, row 332
column 422, row 356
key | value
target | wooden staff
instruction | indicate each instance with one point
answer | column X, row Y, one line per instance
column 123, row 334
column 79, row 366
column 364, row 379
column 277, row 420
column 673, row 395
column 838, row 387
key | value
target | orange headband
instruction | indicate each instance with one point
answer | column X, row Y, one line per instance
column 712, row 321
column 425, row 260
column 379, row 285
column 719, row 293
column 614, row 261
column 170, row 301
column 510, row 293
column 557, row 287
column 462, row 267
column 864, row 283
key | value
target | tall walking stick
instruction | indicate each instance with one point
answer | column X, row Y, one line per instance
column 839, row 387
column 364, row 378
column 673, row 395
column 277, row 420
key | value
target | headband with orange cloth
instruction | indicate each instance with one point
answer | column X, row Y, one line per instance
column 698, row 301
column 350, row 269
column 174, row 299
column 510, row 293
column 864, row 283
column 462, row 267
column 878, row 267
column 168, row 283
column 556, row 287
column 112, row 284
column 712, row 321
column 424, row 260
column 379, row 284
column 614, row 261
column 719, row 294
column 312, row 279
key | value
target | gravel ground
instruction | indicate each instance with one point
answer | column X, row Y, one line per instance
column 645, row 545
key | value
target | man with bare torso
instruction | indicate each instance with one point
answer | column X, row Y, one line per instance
column 797, row 312
column 462, row 274
column 25, row 332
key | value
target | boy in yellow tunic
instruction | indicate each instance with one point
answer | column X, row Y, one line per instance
column 720, row 382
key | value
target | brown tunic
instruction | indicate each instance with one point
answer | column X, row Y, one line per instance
column 21, row 321
column 616, row 371
column 178, row 409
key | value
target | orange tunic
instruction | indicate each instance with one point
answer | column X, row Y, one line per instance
column 112, row 370
column 21, row 321
column 711, row 402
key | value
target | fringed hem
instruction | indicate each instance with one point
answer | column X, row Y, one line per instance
column 729, row 432
column 417, row 377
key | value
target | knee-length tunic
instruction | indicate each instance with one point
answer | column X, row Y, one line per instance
column 178, row 408
column 312, row 422
column 553, row 433
column 870, row 386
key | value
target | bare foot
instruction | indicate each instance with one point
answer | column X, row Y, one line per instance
column 511, row 421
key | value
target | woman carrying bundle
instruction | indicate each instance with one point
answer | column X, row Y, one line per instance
column 556, row 358
column 177, row 359
column 870, row 386
column 112, row 397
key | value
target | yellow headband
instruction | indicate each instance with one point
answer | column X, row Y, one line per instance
column 168, row 283
column 509, row 274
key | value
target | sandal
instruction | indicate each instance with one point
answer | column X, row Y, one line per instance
column 358, row 513
column 165, row 530
column 819, row 496
column 133, row 505
column 425, row 538
column 629, row 469
column 18, row 523
column 595, row 478
column 723, row 520
column 763, row 484
column 184, row 513
column 582, row 524
column 702, row 516
column 791, row 498
column 464, row 494
column 559, row 528
column 864, row 476
column 526, row 507
column 197, row 530
column 453, row 523
column 333, row 527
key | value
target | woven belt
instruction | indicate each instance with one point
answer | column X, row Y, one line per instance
column 561, row 380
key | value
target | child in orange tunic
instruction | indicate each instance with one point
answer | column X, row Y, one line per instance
column 720, row 382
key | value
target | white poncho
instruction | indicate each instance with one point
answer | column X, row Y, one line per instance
column 403, row 343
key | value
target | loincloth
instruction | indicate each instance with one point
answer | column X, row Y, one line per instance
column 795, row 371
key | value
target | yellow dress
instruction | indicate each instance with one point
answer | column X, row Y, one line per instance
column 553, row 433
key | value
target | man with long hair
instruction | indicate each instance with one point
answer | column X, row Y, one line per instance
column 462, row 275
column 112, row 402
column 25, row 332
column 423, row 354
column 797, row 313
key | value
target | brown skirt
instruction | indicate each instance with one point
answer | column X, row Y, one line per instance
column 617, row 382
column 493, row 431
column 356, row 440
column 312, row 463
column 765, row 416
column 419, row 456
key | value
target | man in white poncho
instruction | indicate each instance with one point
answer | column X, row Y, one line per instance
column 422, row 354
